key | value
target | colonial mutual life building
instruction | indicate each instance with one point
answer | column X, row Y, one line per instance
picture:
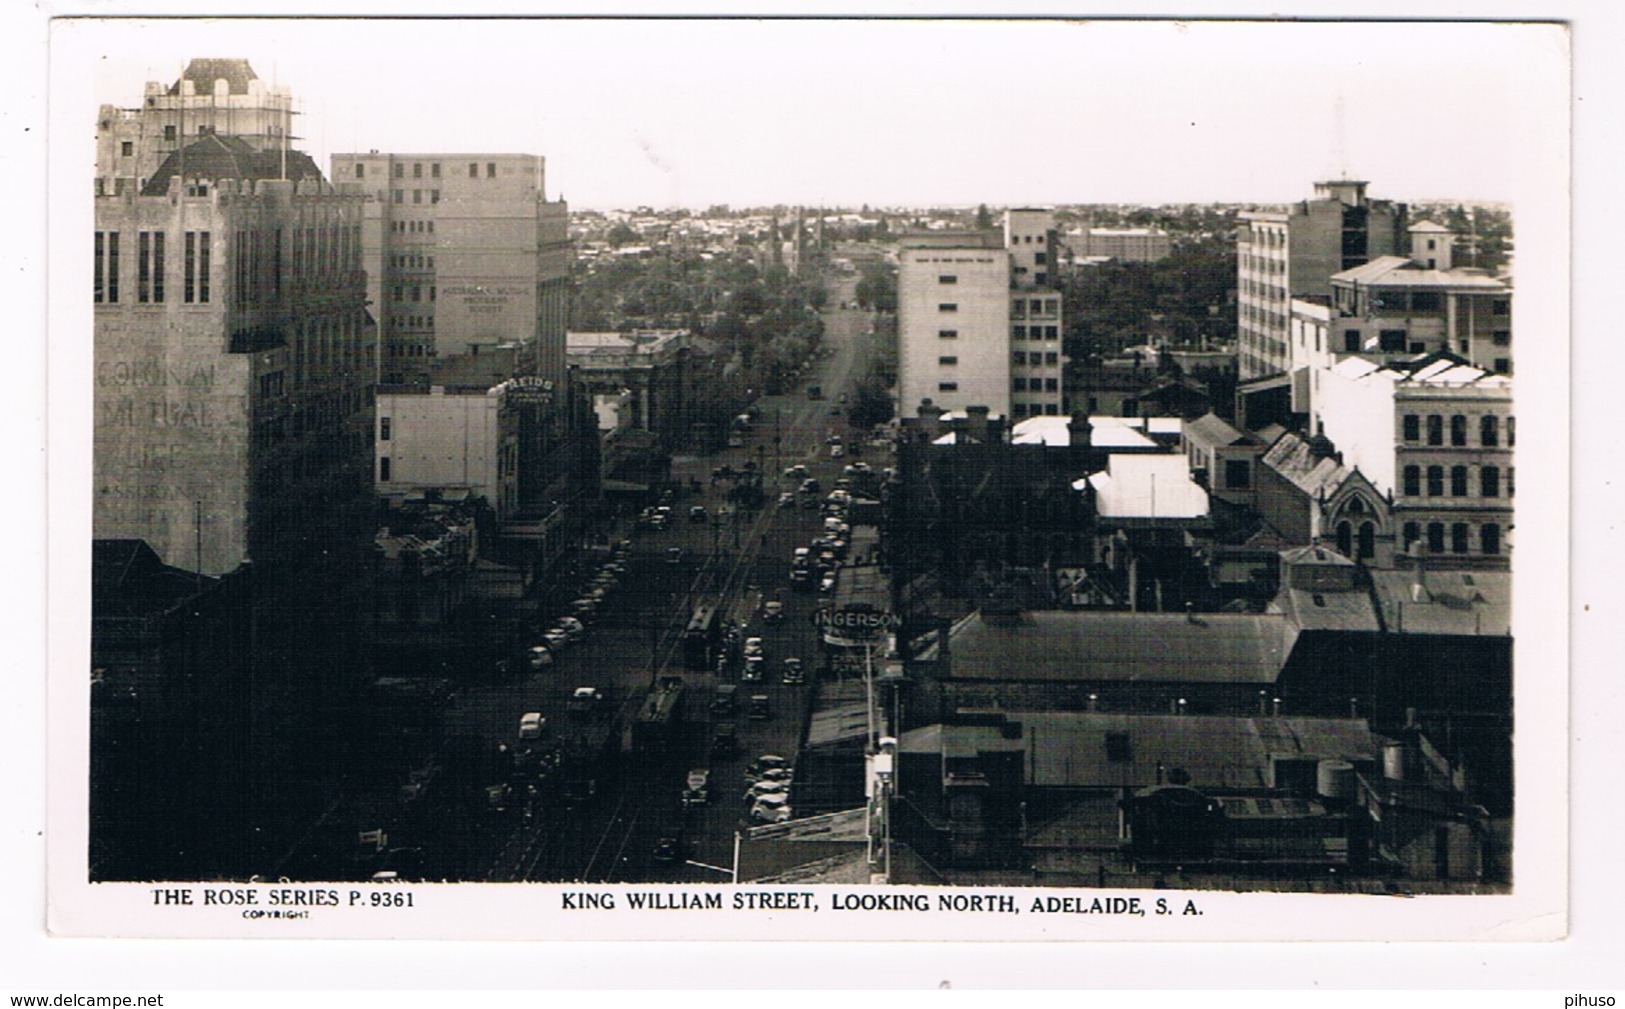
column 234, row 357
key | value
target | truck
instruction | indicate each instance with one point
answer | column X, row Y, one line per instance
column 588, row 737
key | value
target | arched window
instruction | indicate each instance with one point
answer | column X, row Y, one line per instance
column 1413, row 532
column 1489, row 538
column 1345, row 539
column 1489, row 430
column 1413, row 481
column 1435, row 481
column 1435, row 537
column 1458, row 430
column 1357, row 505
column 1368, row 541
column 1458, row 537
column 1458, row 481
column 1489, row 481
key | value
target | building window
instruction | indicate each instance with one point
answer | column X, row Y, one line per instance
column 1435, row 429
column 947, row 278
column 1052, row 385
column 1435, row 481
column 1052, row 357
column 1038, row 257
column 143, row 266
column 1458, row 537
column 1435, row 537
column 1413, row 532
column 1458, row 430
column 1018, row 384
column 473, row 170
column 434, row 196
column 1489, row 538
column 1511, row 483
column 1051, row 332
column 1052, row 409
column 1512, row 432
column 1367, row 543
column 1238, row 474
column 947, row 360
column 434, row 170
column 417, row 196
column 490, row 169
column 400, row 171
column 947, row 334
column 126, row 149
column 360, row 170
column 1458, row 481
column 1489, row 430
column 1501, row 337
column 1426, row 301
column 203, row 252
column 417, row 170
column 1502, row 366
column 1018, row 357
column 169, row 132
column 399, row 195
column 1118, row 750
column 189, row 268
column 383, row 428
column 1391, row 339
column 1500, row 307
column 1413, row 427
column 947, row 386
column 947, row 306
column 1018, row 332
column 383, row 469
column 1489, row 481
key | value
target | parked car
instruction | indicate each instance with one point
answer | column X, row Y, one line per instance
column 753, row 646
column 770, row 809
column 698, row 514
column 764, row 763
column 757, row 789
column 539, row 656
column 754, row 665
column 772, row 611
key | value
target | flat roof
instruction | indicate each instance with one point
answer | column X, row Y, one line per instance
column 1125, row 647
column 1070, row 749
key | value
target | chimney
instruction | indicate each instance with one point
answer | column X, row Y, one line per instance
column 930, row 416
column 1080, row 433
column 976, row 424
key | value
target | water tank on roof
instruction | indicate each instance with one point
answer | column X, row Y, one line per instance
column 1393, row 760
column 1334, row 779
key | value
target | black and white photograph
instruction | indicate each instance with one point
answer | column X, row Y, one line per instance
column 957, row 478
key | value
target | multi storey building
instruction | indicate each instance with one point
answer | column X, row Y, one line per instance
column 211, row 97
column 1134, row 245
column 462, row 252
column 953, row 323
column 1281, row 254
column 233, row 358
column 1394, row 309
column 978, row 322
column 1434, row 435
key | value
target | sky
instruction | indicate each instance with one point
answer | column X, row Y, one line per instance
column 885, row 112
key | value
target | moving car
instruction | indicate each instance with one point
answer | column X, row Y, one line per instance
column 772, row 611
column 667, row 850
column 530, row 725
column 540, row 656
column 753, row 646
column 697, row 791
column 761, row 709
column 793, row 671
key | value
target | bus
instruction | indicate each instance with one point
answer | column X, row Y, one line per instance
column 700, row 638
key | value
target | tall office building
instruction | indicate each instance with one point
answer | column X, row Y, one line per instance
column 233, row 366
column 463, row 253
column 978, row 323
column 1284, row 254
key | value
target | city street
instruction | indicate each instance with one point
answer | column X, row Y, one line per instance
column 734, row 558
